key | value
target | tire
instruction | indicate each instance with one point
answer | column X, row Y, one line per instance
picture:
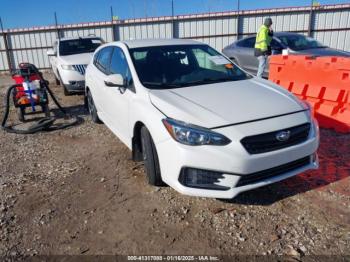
column 65, row 91
column 150, row 158
column 21, row 112
column 92, row 108
column 46, row 110
column 58, row 82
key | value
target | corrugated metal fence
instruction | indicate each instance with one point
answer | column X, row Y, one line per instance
column 329, row 24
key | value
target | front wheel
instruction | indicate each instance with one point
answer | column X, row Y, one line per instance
column 150, row 158
column 65, row 91
column 92, row 108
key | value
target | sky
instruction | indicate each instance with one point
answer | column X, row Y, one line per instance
column 24, row 13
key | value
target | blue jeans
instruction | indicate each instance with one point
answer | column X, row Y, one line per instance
column 262, row 65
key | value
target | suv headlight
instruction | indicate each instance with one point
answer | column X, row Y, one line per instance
column 67, row 67
column 192, row 135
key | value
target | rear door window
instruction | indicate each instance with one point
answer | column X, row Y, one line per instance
column 247, row 43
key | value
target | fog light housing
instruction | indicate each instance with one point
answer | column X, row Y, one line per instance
column 203, row 179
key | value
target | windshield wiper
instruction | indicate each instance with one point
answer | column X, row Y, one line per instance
column 206, row 81
column 316, row 47
column 162, row 85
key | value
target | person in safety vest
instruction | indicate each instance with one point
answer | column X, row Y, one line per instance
column 263, row 45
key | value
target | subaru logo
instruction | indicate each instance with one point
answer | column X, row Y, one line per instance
column 283, row 136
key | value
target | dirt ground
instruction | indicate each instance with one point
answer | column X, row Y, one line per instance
column 77, row 191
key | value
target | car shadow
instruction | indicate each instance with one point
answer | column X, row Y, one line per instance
column 76, row 110
column 334, row 155
column 72, row 113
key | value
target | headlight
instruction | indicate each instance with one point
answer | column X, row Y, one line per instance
column 192, row 135
column 67, row 67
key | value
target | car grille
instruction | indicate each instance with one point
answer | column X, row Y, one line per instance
column 272, row 172
column 80, row 68
column 268, row 142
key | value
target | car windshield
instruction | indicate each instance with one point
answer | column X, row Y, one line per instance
column 300, row 42
column 164, row 67
column 78, row 46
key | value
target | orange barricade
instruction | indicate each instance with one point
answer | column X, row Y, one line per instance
column 322, row 81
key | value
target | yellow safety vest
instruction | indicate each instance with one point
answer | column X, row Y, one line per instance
column 263, row 39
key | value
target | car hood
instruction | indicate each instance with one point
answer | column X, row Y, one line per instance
column 78, row 59
column 324, row 52
column 225, row 103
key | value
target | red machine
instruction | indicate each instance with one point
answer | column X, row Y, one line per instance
column 29, row 91
column 32, row 90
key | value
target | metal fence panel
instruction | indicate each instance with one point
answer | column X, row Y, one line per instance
column 3, row 61
column 281, row 22
column 106, row 33
column 2, row 44
column 145, row 31
column 332, row 19
column 330, row 25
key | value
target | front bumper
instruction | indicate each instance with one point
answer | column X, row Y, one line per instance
column 234, row 161
column 77, row 86
column 72, row 80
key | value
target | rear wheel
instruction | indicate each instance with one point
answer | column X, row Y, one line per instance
column 46, row 110
column 21, row 112
column 150, row 158
column 92, row 108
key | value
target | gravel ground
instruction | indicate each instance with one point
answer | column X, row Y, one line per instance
column 77, row 191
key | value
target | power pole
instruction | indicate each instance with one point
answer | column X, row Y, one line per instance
column 113, row 26
column 311, row 17
column 173, row 19
column 238, row 18
column 57, row 29
column 2, row 27
column 146, row 11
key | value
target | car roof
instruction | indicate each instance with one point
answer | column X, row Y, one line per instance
column 78, row 37
column 159, row 42
column 275, row 34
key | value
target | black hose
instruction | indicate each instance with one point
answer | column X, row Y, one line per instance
column 44, row 124
column 53, row 97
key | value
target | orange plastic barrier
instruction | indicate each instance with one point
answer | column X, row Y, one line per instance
column 322, row 81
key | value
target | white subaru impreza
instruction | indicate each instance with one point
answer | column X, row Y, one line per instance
column 200, row 123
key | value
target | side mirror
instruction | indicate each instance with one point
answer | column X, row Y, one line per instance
column 115, row 80
column 51, row 52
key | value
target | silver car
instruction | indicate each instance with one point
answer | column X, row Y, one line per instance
column 241, row 52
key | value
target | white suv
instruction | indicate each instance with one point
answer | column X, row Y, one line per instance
column 201, row 124
column 69, row 58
